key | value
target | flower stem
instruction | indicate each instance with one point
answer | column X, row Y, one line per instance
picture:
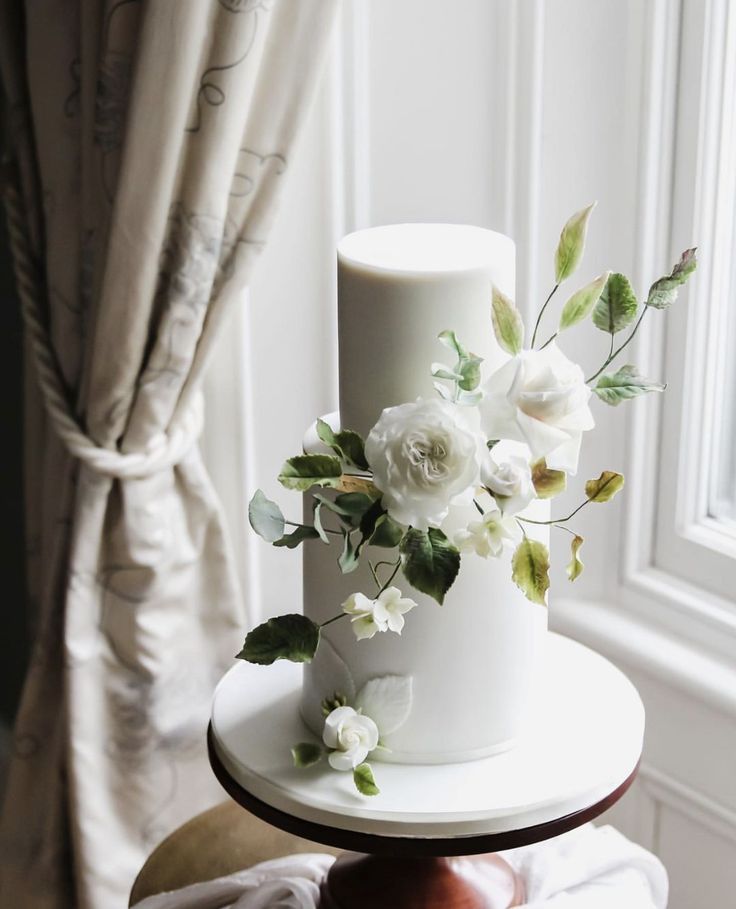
column 614, row 353
column 557, row 521
column 549, row 340
column 478, row 506
column 333, row 619
column 397, row 565
column 541, row 313
column 375, row 576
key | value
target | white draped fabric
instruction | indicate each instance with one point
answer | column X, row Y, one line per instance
column 150, row 141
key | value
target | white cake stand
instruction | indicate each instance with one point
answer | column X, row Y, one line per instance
column 579, row 755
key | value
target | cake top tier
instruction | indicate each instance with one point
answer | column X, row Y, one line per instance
column 425, row 248
column 399, row 286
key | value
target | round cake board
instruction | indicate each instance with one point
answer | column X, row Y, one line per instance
column 582, row 742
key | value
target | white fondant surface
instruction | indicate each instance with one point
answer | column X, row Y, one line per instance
column 583, row 740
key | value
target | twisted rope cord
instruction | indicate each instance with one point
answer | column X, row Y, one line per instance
column 164, row 451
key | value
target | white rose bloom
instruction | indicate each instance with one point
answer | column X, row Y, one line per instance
column 509, row 477
column 487, row 536
column 351, row 735
column 423, row 456
column 384, row 614
column 539, row 397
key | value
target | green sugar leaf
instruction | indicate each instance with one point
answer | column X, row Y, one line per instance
column 575, row 567
column 616, row 306
column 306, row 754
column 507, row 323
column 300, row 534
column 363, row 779
column 304, row 471
column 547, row 482
column 605, row 487
column 530, row 570
column 287, row 637
column 663, row 292
column 265, row 517
column 345, row 443
column 624, row 384
column 581, row 303
column 571, row 244
column 429, row 561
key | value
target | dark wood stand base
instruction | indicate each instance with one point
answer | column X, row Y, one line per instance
column 371, row 881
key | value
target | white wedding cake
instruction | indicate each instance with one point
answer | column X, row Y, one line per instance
column 468, row 664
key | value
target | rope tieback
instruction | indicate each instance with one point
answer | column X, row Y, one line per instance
column 163, row 451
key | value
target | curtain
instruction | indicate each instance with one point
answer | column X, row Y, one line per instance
column 150, row 143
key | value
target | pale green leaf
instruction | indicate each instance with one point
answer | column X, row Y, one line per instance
column 440, row 371
column 572, row 243
column 287, row 637
column 581, row 303
column 265, row 517
column 530, row 570
column 346, row 443
column 449, row 339
column 306, row 754
column 507, row 323
column 318, row 522
column 616, row 306
column 547, row 482
column 605, row 487
column 624, row 384
column 663, row 292
column 304, row 471
column 429, row 561
column 348, row 560
column 469, row 369
column 575, row 566
column 364, row 781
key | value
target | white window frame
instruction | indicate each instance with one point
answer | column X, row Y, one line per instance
column 679, row 565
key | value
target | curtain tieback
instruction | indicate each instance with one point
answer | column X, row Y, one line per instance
column 163, row 451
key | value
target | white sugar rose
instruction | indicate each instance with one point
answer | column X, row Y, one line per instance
column 351, row 735
column 487, row 536
column 423, row 456
column 539, row 397
column 509, row 478
column 383, row 614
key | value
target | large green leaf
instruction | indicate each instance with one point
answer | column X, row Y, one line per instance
column 623, row 384
column 663, row 292
column 605, row 487
column 346, row 443
column 507, row 323
column 287, row 637
column 572, row 243
column 530, row 570
column 265, row 517
column 364, row 781
column 387, row 533
column 616, row 306
column 304, row 471
column 580, row 304
column 429, row 561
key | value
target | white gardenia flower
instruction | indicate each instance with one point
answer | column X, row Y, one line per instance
column 486, row 537
column 351, row 735
column 423, row 456
column 509, row 477
column 539, row 397
column 383, row 614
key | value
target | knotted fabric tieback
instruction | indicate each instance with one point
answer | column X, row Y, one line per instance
column 163, row 451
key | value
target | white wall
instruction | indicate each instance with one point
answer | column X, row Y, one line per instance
column 509, row 114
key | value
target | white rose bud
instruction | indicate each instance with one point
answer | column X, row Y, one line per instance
column 352, row 737
column 509, row 477
column 424, row 455
column 539, row 397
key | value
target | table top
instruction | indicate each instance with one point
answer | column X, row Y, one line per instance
column 579, row 754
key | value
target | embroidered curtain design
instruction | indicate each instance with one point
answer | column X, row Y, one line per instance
column 150, row 143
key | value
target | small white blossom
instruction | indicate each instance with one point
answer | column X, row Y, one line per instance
column 539, row 397
column 383, row 614
column 424, row 455
column 486, row 537
column 351, row 735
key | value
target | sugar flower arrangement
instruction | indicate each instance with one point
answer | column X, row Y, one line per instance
column 492, row 444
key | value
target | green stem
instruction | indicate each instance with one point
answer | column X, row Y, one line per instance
column 541, row 313
column 477, row 505
column 333, row 619
column 556, row 520
column 549, row 340
column 614, row 353
column 393, row 575
column 375, row 576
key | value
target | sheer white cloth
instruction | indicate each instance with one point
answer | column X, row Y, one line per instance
column 150, row 143
column 588, row 868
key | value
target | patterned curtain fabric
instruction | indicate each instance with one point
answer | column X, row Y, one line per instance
column 150, row 141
